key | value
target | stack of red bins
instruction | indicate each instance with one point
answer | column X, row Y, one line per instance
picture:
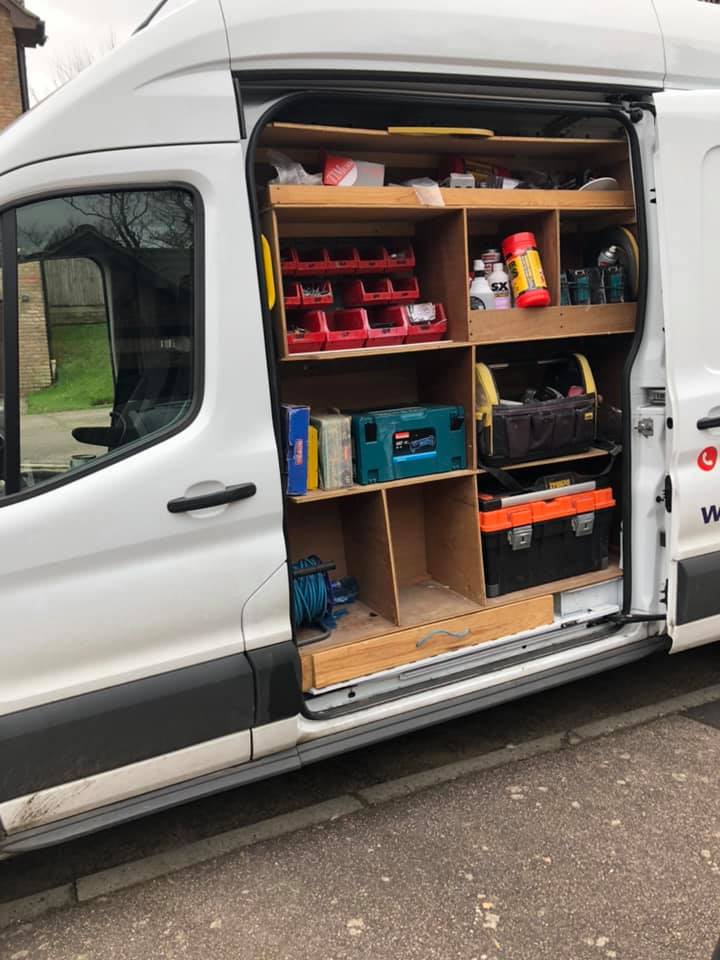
column 368, row 309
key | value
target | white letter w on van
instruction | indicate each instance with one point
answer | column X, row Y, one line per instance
column 710, row 514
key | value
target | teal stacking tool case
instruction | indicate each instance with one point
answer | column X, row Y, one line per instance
column 408, row 442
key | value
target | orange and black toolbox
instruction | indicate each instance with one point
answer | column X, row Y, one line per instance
column 544, row 535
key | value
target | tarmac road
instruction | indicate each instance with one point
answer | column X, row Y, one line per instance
column 562, row 709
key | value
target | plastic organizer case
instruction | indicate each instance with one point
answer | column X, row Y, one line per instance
column 537, row 537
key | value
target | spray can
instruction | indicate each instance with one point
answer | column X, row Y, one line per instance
column 608, row 258
column 481, row 296
column 525, row 268
column 500, row 286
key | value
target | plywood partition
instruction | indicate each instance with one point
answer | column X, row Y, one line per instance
column 451, row 380
column 441, row 247
column 436, row 547
column 353, row 533
column 452, row 531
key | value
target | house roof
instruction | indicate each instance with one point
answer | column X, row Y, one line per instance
column 29, row 29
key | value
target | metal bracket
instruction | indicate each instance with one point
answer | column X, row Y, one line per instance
column 646, row 427
column 520, row 538
column 583, row 524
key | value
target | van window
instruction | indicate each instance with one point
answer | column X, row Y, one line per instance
column 105, row 325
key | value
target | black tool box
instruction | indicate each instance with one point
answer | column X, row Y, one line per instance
column 535, row 410
column 545, row 535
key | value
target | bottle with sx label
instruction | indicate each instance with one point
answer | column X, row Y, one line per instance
column 500, row 285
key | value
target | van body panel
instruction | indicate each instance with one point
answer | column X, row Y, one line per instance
column 167, row 84
column 687, row 163
column 607, row 44
column 691, row 35
column 99, row 583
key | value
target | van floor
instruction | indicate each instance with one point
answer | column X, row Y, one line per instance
column 345, row 655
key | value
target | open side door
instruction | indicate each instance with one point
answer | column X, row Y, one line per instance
column 687, row 168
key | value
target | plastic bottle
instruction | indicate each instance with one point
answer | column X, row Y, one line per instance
column 500, row 285
column 490, row 258
column 481, row 296
column 525, row 268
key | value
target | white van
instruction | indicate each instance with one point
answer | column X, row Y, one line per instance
column 155, row 647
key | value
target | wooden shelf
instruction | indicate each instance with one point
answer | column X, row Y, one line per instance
column 374, row 351
column 406, row 199
column 315, row 137
column 357, row 488
column 589, row 454
column 613, row 572
column 550, row 323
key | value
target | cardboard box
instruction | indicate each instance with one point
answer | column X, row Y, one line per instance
column 296, row 423
column 345, row 172
column 334, row 450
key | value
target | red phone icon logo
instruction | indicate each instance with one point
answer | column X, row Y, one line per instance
column 707, row 458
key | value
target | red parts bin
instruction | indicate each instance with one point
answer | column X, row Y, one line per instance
column 322, row 298
column 429, row 331
column 307, row 332
column 372, row 260
column 405, row 289
column 387, row 327
column 313, row 261
column 292, row 296
column 347, row 330
column 343, row 260
column 361, row 293
column 289, row 261
column 399, row 258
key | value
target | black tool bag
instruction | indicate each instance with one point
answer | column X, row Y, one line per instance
column 536, row 420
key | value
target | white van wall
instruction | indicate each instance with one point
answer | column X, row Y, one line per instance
column 607, row 44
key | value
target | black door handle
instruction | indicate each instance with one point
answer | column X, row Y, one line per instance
column 241, row 491
column 704, row 423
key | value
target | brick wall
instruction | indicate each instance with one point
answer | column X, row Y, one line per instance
column 10, row 100
column 33, row 346
column 34, row 350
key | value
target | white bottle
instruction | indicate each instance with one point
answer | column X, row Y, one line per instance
column 481, row 296
column 500, row 286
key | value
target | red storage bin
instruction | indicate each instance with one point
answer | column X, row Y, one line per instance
column 322, row 297
column 289, row 261
column 372, row 259
column 405, row 289
column 347, row 330
column 315, row 260
column 291, row 295
column 360, row 293
column 387, row 327
column 344, row 260
column 307, row 332
column 399, row 257
column 429, row 331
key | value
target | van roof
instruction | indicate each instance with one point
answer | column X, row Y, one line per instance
column 170, row 82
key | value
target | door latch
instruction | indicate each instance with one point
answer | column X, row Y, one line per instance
column 646, row 427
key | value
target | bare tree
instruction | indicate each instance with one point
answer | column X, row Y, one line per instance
column 65, row 66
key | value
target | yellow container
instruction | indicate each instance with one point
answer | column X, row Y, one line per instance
column 312, row 459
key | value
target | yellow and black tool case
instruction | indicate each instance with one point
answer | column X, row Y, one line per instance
column 532, row 410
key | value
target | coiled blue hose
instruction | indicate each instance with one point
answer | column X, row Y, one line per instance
column 310, row 594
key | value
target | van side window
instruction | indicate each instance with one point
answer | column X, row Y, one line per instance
column 105, row 326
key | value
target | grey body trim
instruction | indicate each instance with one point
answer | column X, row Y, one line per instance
column 311, row 752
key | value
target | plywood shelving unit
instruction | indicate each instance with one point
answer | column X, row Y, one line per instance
column 414, row 545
